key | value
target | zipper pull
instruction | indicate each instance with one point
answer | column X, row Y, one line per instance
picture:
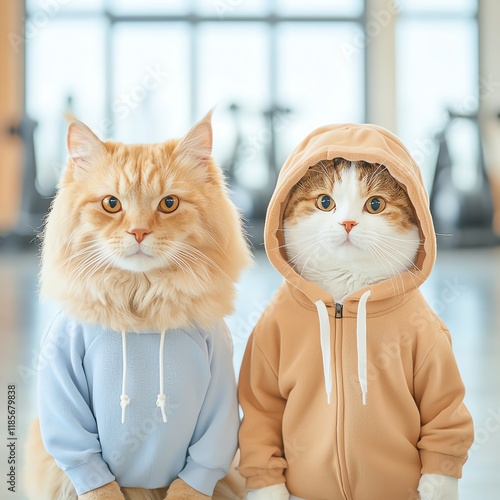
column 338, row 310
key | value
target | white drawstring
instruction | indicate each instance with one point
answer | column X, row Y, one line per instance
column 361, row 340
column 161, row 400
column 124, row 399
column 324, row 332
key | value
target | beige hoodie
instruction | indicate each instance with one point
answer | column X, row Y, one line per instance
column 353, row 400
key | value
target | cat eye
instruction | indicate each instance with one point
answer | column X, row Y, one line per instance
column 325, row 202
column 111, row 204
column 375, row 205
column 169, row 204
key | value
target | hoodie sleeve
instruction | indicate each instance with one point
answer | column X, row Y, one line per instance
column 447, row 430
column 215, row 439
column 262, row 460
column 67, row 424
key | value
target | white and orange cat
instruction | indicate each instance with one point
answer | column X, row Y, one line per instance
column 349, row 387
column 336, row 242
column 141, row 250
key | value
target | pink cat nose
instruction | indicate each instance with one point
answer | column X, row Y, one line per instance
column 349, row 224
column 139, row 234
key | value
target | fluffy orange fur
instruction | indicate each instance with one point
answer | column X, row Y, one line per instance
column 198, row 252
column 201, row 243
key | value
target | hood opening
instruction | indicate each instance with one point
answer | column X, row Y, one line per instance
column 353, row 142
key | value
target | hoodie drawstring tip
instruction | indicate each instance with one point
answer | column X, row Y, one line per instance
column 124, row 402
column 161, row 402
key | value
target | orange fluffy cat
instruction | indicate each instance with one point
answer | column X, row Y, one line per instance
column 141, row 250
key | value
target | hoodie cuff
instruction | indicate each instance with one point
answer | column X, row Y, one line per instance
column 439, row 463
column 261, row 478
column 201, row 478
column 93, row 474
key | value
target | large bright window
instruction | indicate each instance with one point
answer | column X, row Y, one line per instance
column 65, row 62
column 144, row 71
column 437, row 69
column 150, row 82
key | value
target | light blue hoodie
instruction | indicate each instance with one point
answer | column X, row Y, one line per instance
column 81, row 381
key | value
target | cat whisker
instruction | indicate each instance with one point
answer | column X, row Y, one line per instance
column 412, row 275
column 90, row 256
column 89, row 266
column 405, row 257
column 406, row 240
column 85, row 262
column 285, row 245
column 192, row 252
column 183, row 265
column 187, row 258
column 85, row 251
column 323, row 168
column 304, row 251
column 100, row 258
column 289, row 229
column 294, row 261
column 217, row 244
column 377, row 256
column 318, row 247
column 376, row 172
column 112, row 263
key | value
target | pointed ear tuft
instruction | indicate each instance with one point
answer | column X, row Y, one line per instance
column 84, row 147
column 197, row 143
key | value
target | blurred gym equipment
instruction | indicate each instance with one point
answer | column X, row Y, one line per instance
column 461, row 199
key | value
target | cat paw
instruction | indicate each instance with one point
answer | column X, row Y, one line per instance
column 274, row 492
column 179, row 490
column 110, row 491
column 438, row 487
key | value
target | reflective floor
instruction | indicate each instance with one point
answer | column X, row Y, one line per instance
column 464, row 289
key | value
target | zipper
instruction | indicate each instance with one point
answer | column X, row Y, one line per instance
column 344, row 485
column 338, row 310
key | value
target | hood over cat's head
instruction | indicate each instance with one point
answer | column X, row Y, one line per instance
column 352, row 142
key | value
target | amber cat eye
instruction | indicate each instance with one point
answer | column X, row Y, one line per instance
column 375, row 205
column 111, row 204
column 169, row 204
column 325, row 203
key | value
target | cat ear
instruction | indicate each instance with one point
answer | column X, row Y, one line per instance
column 84, row 147
column 197, row 143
